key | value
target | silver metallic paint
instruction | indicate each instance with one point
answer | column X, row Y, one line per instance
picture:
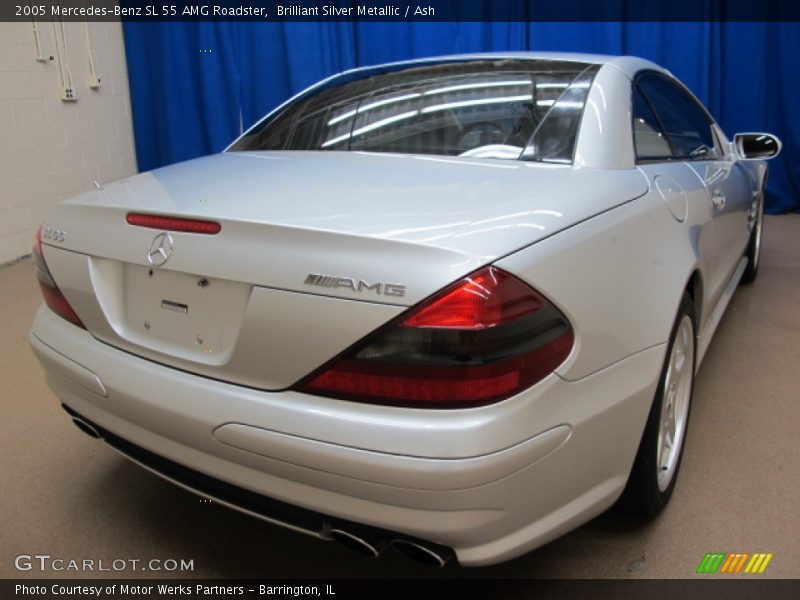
column 597, row 238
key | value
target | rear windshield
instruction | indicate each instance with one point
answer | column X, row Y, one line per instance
column 509, row 109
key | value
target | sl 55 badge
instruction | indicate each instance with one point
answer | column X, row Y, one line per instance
column 54, row 235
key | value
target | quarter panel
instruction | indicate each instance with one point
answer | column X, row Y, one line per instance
column 617, row 277
column 698, row 220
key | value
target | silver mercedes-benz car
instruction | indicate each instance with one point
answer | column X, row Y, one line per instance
column 454, row 305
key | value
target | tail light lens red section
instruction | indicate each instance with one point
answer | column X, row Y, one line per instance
column 53, row 296
column 173, row 223
column 479, row 341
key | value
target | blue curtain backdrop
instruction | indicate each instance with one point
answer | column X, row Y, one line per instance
column 195, row 85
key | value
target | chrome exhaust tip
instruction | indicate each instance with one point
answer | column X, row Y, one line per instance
column 428, row 555
column 351, row 541
column 86, row 428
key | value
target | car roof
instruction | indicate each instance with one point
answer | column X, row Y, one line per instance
column 629, row 65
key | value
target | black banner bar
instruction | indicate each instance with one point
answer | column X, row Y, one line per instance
column 710, row 588
column 401, row 10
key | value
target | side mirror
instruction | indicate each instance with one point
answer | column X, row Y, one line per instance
column 756, row 146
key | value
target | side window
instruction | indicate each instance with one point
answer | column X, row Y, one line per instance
column 648, row 135
column 685, row 124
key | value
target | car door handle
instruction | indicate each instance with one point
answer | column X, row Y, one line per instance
column 718, row 200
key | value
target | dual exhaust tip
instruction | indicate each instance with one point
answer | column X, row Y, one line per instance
column 428, row 554
column 433, row 556
column 82, row 423
column 86, row 428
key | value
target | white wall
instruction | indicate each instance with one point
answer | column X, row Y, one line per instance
column 51, row 149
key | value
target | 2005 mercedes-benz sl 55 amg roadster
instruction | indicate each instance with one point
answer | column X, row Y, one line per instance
column 454, row 306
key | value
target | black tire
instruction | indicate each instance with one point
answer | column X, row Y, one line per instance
column 753, row 251
column 648, row 490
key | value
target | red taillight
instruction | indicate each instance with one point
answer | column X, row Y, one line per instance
column 53, row 297
column 173, row 223
column 479, row 341
column 488, row 298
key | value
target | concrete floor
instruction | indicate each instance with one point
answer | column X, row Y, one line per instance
column 70, row 497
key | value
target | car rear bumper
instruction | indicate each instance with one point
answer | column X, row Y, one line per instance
column 490, row 483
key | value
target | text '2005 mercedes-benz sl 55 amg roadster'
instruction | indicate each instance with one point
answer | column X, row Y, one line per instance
column 454, row 306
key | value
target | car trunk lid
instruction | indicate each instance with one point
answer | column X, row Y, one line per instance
column 269, row 297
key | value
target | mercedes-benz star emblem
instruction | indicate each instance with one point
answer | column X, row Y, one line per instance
column 160, row 249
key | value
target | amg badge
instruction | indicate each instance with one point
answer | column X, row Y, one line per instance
column 356, row 285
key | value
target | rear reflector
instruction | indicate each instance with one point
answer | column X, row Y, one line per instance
column 481, row 340
column 173, row 223
column 53, row 296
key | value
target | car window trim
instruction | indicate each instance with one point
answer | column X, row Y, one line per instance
column 634, row 89
column 688, row 94
column 654, row 160
column 724, row 151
